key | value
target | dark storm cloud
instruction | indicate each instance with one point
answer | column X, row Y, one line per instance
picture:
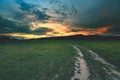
column 41, row 15
column 32, row 9
column 19, row 16
column 19, row 23
column 15, row 15
column 115, row 29
column 24, row 6
column 62, row 9
column 12, row 18
column 41, row 31
column 7, row 26
column 105, row 13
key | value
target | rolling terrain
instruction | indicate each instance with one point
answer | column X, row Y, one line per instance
column 59, row 59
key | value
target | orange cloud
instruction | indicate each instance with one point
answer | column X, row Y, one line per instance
column 59, row 30
column 102, row 30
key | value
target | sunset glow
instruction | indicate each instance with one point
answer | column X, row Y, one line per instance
column 53, row 18
column 58, row 30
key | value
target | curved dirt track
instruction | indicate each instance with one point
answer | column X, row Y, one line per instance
column 81, row 70
column 90, row 66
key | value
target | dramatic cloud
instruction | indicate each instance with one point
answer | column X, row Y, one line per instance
column 8, row 26
column 97, row 13
column 20, row 20
column 32, row 9
column 47, row 18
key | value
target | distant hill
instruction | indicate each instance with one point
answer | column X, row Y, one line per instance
column 4, row 37
column 73, row 37
column 82, row 37
column 10, row 38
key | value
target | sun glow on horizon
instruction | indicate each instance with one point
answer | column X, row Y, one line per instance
column 57, row 30
column 52, row 34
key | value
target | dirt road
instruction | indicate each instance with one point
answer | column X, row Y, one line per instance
column 90, row 66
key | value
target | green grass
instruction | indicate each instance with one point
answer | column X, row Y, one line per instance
column 36, row 60
column 45, row 59
column 108, row 49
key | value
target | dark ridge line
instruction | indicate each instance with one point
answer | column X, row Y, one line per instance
column 73, row 37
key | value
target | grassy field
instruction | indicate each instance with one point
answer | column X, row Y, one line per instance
column 48, row 59
column 36, row 60
column 108, row 49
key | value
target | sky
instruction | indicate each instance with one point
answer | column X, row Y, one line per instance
column 51, row 18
